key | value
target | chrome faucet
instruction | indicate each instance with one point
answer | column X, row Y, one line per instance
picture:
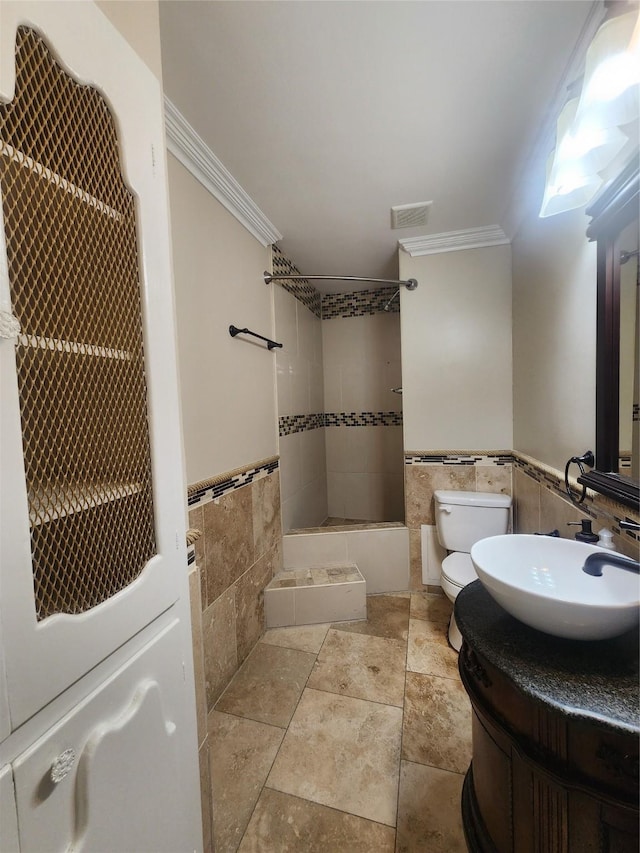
column 594, row 563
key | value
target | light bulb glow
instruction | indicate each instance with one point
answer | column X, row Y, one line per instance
column 611, row 78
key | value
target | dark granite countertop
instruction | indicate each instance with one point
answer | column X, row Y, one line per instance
column 590, row 680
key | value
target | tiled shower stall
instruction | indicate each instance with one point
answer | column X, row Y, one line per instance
column 340, row 422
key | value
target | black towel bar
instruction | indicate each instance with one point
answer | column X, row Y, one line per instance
column 233, row 331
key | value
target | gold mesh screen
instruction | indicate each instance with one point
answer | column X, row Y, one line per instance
column 70, row 230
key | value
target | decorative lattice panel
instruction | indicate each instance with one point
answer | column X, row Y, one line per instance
column 70, row 230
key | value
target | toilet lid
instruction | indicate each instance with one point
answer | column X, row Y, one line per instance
column 458, row 568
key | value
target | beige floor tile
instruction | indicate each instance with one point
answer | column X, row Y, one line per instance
column 437, row 723
column 435, row 608
column 429, row 819
column 344, row 753
column 285, row 824
column 305, row 638
column 241, row 752
column 361, row 666
column 387, row 616
column 268, row 685
column 429, row 656
column 432, row 632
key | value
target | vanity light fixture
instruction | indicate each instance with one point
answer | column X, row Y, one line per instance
column 588, row 134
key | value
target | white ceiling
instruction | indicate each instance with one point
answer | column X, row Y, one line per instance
column 329, row 113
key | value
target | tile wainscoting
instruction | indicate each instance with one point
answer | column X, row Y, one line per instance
column 335, row 375
column 540, row 503
column 426, row 471
column 230, row 563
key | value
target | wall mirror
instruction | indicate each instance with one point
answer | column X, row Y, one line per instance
column 614, row 225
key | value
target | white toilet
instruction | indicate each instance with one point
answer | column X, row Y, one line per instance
column 462, row 518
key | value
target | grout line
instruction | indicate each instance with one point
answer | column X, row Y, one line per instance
column 264, row 784
column 306, row 686
column 404, row 702
column 357, row 698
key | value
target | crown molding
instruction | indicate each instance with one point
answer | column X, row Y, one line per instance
column 453, row 241
column 196, row 156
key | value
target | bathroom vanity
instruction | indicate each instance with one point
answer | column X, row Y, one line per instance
column 555, row 736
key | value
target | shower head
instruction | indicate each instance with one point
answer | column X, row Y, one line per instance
column 388, row 304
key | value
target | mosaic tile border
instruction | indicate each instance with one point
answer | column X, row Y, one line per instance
column 292, row 424
column 357, row 419
column 302, row 290
column 330, row 306
column 450, row 457
column 596, row 506
column 209, row 490
column 359, row 304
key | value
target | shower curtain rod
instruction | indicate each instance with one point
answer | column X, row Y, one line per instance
column 410, row 283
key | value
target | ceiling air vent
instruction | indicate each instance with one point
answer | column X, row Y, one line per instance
column 410, row 215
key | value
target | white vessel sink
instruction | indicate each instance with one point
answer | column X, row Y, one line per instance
column 539, row 580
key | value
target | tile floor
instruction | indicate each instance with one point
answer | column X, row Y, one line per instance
column 345, row 738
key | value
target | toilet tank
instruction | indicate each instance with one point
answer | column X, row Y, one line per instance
column 462, row 518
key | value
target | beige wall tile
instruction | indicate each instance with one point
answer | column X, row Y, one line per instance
column 422, row 480
column 198, row 652
column 415, row 559
column 267, row 520
column 555, row 513
column 229, row 549
column 205, row 797
column 196, row 520
column 494, row 478
column 526, row 498
column 249, row 600
column 219, row 639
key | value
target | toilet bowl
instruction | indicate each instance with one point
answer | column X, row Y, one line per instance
column 462, row 519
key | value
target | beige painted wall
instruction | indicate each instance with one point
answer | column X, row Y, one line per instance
column 139, row 22
column 456, row 350
column 554, row 337
column 227, row 384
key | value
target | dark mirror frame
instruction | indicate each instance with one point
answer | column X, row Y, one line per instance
column 614, row 208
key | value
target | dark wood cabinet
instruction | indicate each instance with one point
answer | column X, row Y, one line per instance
column 544, row 779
